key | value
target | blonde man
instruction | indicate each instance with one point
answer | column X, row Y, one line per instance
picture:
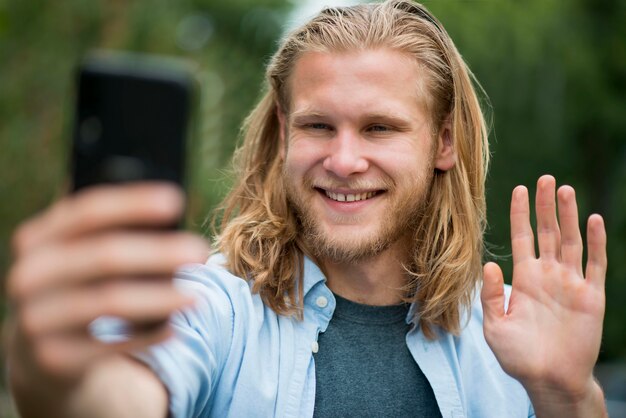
column 348, row 264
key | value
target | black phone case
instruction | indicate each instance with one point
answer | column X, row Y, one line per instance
column 132, row 120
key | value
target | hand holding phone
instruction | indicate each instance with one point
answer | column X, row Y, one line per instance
column 84, row 258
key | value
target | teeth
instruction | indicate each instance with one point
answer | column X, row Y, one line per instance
column 340, row 197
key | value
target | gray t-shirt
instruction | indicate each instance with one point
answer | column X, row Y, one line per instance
column 364, row 369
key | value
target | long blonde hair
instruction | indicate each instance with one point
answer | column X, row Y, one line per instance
column 258, row 232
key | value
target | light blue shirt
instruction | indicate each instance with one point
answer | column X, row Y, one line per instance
column 232, row 356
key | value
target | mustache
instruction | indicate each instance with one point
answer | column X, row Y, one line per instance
column 329, row 183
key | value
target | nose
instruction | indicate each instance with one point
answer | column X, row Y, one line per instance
column 345, row 155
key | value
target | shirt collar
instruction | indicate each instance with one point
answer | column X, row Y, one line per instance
column 312, row 275
column 412, row 315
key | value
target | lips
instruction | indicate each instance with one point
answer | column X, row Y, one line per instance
column 349, row 197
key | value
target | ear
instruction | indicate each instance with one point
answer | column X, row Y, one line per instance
column 445, row 157
column 282, row 123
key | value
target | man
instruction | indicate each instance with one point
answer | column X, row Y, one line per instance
column 349, row 261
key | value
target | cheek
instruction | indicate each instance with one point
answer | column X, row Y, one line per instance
column 399, row 162
column 301, row 156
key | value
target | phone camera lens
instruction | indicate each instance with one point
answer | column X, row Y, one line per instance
column 90, row 132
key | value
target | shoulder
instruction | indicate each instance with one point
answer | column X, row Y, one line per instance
column 210, row 279
column 218, row 294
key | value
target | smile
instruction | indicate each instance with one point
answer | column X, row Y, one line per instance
column 341, row 197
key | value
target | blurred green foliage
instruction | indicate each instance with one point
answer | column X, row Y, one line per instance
column 41, row 44
column 555, row 73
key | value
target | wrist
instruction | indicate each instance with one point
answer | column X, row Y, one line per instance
column 34, row 391
column 550, row 401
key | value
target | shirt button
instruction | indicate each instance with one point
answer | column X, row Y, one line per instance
column 315, row 347
column 321, row 301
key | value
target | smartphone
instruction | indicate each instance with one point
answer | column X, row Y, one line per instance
column 132, row 119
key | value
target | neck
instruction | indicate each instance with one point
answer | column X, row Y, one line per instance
column 373, row 281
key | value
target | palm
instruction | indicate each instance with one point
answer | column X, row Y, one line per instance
column 550, row 334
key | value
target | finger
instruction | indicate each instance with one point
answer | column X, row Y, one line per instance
column 138, row 302
column 522, row 239
column 548, row 233
column 111, row 254
column 492, row 294
column 69, row 355
column 596, row 257
column 98, row 208
column 571, row 241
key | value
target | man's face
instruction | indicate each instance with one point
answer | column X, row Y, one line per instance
column 359, row 152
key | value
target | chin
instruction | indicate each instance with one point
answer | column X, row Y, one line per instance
column 337, row 246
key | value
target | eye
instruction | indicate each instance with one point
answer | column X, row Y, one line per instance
column 379, row 128
column 318, row 126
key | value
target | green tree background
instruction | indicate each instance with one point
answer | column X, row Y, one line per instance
column 555, row 73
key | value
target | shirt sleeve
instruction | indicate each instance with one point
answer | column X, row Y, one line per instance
column 190, row 363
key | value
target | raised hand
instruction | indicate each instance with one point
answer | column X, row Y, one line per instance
column 549, row 336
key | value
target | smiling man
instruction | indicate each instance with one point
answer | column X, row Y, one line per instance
column 360, row 155
column 347, row 268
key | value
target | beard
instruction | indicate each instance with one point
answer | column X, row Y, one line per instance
column 403, row 212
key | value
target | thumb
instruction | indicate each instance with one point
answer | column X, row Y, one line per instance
column 492, row 294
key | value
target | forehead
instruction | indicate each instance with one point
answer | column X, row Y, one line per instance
column 374, row 79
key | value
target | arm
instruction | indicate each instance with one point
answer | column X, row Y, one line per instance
column 549, row 338
column 116, row 387
column 82, row 259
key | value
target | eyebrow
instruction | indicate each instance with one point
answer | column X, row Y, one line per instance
column 304, row 116
column 388, row 118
